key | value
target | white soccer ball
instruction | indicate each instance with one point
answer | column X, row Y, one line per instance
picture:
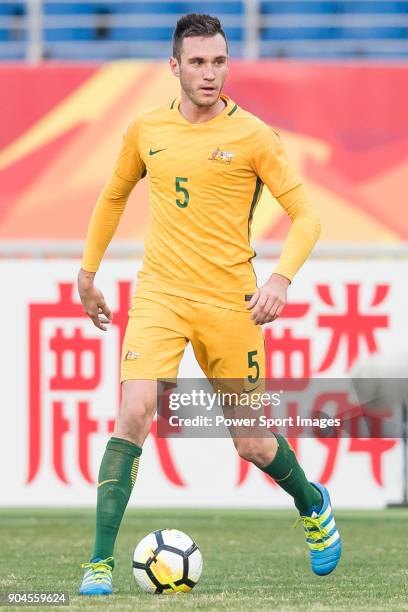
column 167, row 561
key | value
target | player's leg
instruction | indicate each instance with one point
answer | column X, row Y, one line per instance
column 116, row 479
column 235, row 358
column 153, row 346
column 234, row 351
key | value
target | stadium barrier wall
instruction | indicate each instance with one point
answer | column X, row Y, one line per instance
column 60, row 388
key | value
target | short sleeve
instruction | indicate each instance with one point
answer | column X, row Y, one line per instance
column 129, row 165
column 271, row 163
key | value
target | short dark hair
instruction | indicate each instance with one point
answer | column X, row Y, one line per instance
column 195, row 24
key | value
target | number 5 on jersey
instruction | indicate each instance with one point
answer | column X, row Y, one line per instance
column 182, row 203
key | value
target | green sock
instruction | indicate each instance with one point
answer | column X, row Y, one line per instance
column 288, row 474
column 117, row 476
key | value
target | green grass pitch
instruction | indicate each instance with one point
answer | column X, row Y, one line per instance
column 253, row 559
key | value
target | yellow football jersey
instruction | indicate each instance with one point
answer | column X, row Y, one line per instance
column 205, row 180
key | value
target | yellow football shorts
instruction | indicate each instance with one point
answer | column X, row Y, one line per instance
column 226, row 342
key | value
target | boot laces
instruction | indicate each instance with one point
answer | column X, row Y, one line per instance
column 99, row 569
column 314, row 530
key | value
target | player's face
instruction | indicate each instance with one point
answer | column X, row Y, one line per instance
column 202, row 68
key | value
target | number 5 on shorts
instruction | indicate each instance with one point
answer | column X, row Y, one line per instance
column 252, row 363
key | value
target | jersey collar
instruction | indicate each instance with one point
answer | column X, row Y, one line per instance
column 230, row 107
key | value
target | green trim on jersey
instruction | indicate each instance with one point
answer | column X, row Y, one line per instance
column 232, row 111
column 172, row 104
column 255, row 198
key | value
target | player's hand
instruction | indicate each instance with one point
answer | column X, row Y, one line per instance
column 93, row 301
column 269, row 300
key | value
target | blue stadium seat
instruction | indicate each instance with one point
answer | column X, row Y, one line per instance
column 141, row 34
column 372, row 7
column 311, row 33
column 69, row 34
column 153, row 8
column 9, row 35
column 291, row 7
column 216, row 8
column 379, row 32
column 71, row 8
column 235, row 34
column 375, row 7
column 14, row 8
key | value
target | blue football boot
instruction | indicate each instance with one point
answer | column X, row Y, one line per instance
column 97, row 578
column 322, row 536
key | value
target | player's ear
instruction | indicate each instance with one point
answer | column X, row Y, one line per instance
column 174, row 66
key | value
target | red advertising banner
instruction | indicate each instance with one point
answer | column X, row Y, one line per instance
column 61, row 387
column 344, row 125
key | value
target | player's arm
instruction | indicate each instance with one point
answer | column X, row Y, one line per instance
column 104, row 221
column 272, row 166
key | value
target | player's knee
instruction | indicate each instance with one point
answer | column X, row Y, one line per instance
column 134, row 419
column 257, row 450
column 135, row 411
column 249, row 449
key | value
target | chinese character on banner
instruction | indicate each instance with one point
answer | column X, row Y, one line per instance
column 288, row 347
column 57, row 403
column 62, row 400
column 353, row 416
column 351, row 326
column 291, row 349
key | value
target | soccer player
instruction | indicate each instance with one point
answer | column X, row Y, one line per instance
column 207, row 161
